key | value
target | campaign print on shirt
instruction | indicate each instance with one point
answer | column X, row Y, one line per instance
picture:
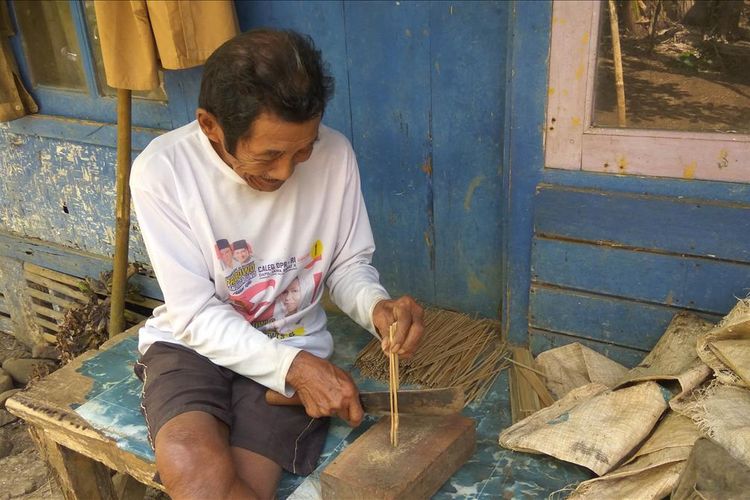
column 252, row 283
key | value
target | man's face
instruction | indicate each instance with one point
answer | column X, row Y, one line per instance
column 241, row 255
column 290, row 297
column 268, row 156
column 226, row 256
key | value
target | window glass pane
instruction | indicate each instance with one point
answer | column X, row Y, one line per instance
column 50, row 44
column 157, row 94
column 686, row 66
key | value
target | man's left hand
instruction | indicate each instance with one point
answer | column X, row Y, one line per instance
column 409, row 318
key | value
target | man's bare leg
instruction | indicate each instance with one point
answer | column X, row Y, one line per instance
column 194, row 460
column 260, row 473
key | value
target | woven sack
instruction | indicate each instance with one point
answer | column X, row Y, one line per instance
column 574, row 365
column 653, row 471
column 726, row 348
column 722, row 413
column 673, row 358
column 591, row 426
column 712, row 474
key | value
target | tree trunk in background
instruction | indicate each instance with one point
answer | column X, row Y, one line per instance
column 714, row 16
column 728, row 18
column 630, row 13
column 699, row 14
column 675, row 10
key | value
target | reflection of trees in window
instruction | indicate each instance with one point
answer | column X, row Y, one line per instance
column 686, row 65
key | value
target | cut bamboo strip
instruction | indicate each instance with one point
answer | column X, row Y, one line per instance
column 528, row 392
column 393, row 384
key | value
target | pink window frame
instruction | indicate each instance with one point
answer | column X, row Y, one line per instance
column 573, row 143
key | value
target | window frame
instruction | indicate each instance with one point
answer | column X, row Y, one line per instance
column 92, row 105
column 573, row 143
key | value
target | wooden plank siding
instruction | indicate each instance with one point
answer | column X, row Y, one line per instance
column 611, row 268
column 698, row 227
column 420, row 92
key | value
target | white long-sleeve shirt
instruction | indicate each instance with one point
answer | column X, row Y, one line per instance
column 242, row 271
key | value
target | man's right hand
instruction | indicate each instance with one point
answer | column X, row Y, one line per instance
column 325, row 389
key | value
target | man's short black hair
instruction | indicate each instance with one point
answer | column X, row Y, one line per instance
column 264, row 70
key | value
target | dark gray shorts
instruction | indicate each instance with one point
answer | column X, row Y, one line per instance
column 177, row 380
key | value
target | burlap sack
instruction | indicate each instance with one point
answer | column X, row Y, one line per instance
column 726, row 348
column 591, row 425
column 574, row 365
column 722, row 412
column 710, row 473
column 652, row 484
column 646, row 473
column 673, row 358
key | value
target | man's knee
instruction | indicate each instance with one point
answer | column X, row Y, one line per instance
column 193, row 458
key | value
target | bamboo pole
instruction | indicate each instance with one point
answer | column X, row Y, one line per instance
column 617, row 53
column 122, row 215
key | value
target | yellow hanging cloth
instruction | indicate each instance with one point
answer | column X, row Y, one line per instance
column 15, row 101
column 136, row 34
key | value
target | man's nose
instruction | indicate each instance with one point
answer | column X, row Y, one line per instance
column 284, row 169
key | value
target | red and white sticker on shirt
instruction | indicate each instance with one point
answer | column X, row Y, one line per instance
column 254, row 286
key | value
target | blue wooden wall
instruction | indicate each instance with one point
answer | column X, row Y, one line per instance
column 420, row 93
column 601, row 259
column 444, row 103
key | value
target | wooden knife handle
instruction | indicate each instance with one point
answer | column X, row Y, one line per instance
column 275, row 399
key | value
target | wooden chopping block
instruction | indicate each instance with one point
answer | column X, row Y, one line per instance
column 430, row 450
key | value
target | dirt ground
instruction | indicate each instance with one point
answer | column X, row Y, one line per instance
column 684, row 83
column 23, row 473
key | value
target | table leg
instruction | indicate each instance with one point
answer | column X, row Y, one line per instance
column 80, row 477
column 128, row 488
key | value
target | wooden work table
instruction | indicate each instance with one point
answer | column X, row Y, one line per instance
column 86, row 420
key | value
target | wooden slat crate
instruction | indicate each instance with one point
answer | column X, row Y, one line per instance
column 5, row 319
column 53, row 293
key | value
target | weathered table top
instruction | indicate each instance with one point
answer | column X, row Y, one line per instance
column 92, row 406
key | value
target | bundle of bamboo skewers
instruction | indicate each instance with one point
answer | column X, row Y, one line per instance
column 456, row 350
column 393, row 384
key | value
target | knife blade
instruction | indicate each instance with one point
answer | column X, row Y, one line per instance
column 443, row 401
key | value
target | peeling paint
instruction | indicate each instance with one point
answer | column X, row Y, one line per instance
column 44, row 176
column 622, row 164
column 689, row 171
column 723, row 159
column 579, row 71
column 473, row 185
column 427, row 167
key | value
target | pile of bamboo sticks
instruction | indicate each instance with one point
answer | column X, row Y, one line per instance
column 456, row 351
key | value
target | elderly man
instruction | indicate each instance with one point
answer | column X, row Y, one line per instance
column 256, row 166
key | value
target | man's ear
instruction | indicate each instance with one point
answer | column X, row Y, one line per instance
column 210, row 126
